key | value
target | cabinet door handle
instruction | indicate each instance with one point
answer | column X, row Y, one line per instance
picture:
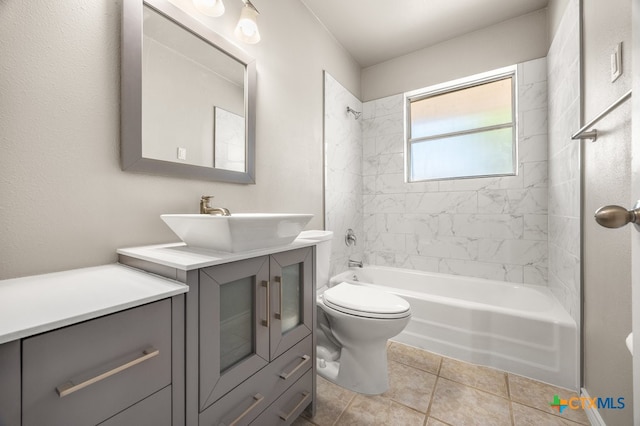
column 278, row 315
column 305, row 398
column 258, row 399
column 76, row 384
column 305, row 359
column 268, row 304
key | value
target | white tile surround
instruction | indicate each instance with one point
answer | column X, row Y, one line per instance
column 490, row 228
column 343, row 172
column 563, row 68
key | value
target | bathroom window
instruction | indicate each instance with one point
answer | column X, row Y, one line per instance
column 462, row 129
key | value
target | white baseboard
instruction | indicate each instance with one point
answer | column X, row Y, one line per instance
column 592, row 413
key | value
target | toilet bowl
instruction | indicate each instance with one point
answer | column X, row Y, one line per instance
column 353, row 325
column 356, row 323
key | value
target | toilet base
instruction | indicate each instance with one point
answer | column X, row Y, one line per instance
column 362, row 369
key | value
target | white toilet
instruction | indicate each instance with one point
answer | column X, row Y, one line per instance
column 354, row 325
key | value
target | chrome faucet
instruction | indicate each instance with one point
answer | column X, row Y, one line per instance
column 354, row 263
column 205, row 207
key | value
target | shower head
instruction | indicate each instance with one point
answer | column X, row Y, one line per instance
column 355, row 113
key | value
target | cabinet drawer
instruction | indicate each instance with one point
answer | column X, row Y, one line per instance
column 86, row 373
column 254, row 395
column 151, row 411
column 290, row 405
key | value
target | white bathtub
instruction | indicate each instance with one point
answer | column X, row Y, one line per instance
column 517, row 328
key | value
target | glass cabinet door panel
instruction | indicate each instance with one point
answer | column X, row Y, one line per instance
column 292, row 275
column 233, row 328
column 291, row 282
column 237, row 321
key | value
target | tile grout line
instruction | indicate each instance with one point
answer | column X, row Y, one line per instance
column 433, row 393
column 344, row 410
column 511, row 413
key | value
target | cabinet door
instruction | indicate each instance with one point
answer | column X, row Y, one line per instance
column 291, row 299
column 233, row 325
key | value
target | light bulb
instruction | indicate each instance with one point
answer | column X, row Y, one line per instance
column 247, row 28
column 213, row 8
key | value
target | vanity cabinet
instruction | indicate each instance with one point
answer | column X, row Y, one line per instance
column 10, row 383
column 86, row 373
column 250, row 349
column 98, row 345
column 253, row 313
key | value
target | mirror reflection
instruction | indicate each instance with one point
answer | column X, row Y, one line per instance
column 192, row 98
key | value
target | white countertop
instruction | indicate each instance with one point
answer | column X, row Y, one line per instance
column 32, row 305
column 185, row 258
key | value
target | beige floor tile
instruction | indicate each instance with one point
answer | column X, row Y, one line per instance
column 539, row 395
column 414, row 357
column 527, row 416
column 484, row 378
column 378, row 411
column 401, row 415
column 301, row 421
column 410, row 386
column 434, row 422
column 462, row 405
column 332, row 400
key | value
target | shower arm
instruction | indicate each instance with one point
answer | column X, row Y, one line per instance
column 356, row 114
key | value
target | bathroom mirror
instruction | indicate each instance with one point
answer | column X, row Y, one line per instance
column 188, row 97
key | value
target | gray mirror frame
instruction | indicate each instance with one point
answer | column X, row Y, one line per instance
column 131, row 96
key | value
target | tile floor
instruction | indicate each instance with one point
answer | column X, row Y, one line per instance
column 430, row 390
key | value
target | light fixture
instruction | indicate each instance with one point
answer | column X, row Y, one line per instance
column 213, row 8
column 247, row 28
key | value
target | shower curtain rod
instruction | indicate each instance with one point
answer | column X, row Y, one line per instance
column 593, row 134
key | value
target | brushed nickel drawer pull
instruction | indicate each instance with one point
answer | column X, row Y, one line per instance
column 305, row 398
column 75, row 385
column 305, row 359
column 278, row 315
column 268, row 304
column 258, row 399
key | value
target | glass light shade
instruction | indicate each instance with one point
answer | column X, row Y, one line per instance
column 247, row 28
column 213, row 8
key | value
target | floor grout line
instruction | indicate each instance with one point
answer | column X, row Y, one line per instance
column 433, row 395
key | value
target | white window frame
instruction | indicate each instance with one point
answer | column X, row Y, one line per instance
column 452, row 86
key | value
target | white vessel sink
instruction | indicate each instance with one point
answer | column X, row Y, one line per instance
column 238, row 232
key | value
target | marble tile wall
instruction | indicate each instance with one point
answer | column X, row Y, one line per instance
column 492, row 228
column 343, row 172
column 563, row 68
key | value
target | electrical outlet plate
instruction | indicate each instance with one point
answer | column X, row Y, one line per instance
column 182, row 153
column 616, row 62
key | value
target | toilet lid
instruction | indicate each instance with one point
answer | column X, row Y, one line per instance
column 366, row 302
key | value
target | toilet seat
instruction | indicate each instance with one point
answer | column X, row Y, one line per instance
column 365, row 302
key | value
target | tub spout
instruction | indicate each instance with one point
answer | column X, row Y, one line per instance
column 354, row 263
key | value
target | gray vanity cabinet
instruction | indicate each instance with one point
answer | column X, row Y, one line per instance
column 86, row 373
column 255, row 338
column 10, row 383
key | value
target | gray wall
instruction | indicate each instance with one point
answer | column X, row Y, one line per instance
column 65, row 203
column 507, row 43
column 607, row 165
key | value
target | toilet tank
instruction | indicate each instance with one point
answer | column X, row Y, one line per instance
column 323, row 254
